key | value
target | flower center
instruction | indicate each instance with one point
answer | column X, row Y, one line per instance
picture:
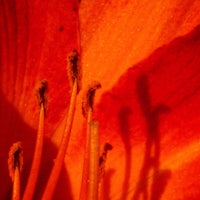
column 94, row 163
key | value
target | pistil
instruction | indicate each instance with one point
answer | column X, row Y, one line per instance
column 87, row 110
column 15, row 162
column 94, row 162
column 30, row 187
column 74, row 76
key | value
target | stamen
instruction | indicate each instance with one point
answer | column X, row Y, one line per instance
column 15, row 163
column 87, row 109
column 55, row 173
column 94, row 162
column 102, row 159
column 102, row 164
column 30, row 187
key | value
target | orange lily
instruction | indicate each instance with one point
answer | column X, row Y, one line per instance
column 146, row 57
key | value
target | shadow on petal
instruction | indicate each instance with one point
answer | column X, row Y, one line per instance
column 157, row 104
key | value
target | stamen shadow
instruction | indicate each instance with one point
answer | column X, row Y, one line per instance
column 152, row 146
column 124, row 124
column 133, row 110
column 106, row 184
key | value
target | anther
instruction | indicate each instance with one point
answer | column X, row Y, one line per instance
column 15, row 163
column 35, row 167
column 41, row 92
column 102, row 159
column 88, row 99
column 102, row 165
column 73, row 68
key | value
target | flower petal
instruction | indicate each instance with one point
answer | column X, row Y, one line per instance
column 151, row 117
column 116, row 35
column 35, row 38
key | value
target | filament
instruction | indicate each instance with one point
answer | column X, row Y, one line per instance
column 55, row 173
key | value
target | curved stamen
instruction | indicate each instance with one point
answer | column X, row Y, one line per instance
column 56, row 170
column 102, row 165
column 30, row 187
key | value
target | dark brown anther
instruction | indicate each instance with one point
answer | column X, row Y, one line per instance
column 15, row 159
column 107, row 147
column 102, row 159
column 42, row 93
column 73, row 68
column 88, row 99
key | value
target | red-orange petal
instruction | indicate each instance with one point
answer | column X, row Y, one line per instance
column 117, row 36
column 152, row 120
column 35, row 37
